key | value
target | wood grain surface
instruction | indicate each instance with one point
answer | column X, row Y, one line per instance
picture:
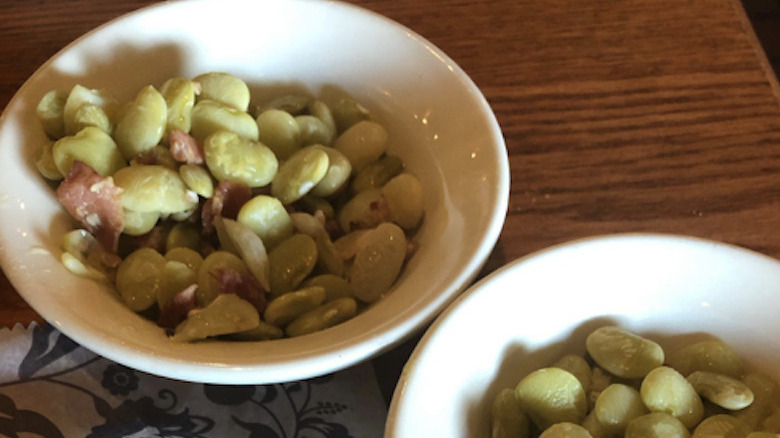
column 620, row 116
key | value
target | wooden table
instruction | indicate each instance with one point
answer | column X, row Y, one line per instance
column 620, row 116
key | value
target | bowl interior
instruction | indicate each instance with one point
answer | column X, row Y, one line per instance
column 440, row 125
column 531, row 312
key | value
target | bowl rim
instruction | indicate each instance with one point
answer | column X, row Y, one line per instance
column 345, row 355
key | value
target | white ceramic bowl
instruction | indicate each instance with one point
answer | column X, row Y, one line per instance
column 440, row 124
column 532, row 311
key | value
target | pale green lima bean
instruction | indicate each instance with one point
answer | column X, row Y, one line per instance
column 137, row 223
column 267, row 217
column 314, row 131
column 378, row 262
column 140, row 278
column 664, row 389
column 291, row 262
column 551, row 395
column 209, row 116
column 722, row 390
column 91, row 146
column 284, row 309
column 622, row 353
column 404, row 195
column 299, row 174
column 279, row 131
column 226, row 314
column 197, row 179
column 80, row 95
column 230, row 156
column 224, row 88
column 656, row 425
column 377, row 173
column 50, row 113
column 362, row 143
column 337, row 175
column 179, row 94
column 322, row 317
column 142, row 124
column 154, row 188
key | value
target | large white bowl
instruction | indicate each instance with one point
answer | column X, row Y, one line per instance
column 439, row 122
column 529, row 313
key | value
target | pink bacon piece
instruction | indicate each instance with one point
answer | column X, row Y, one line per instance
column 244, row 285
column 228, row 198
column 185, row 148
column 94, row 201
column 176, row 310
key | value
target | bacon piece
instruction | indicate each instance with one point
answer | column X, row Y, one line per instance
column 245, row 285
column 176, row 310
column 185, row 148
column 229, row 197
column 94, row 201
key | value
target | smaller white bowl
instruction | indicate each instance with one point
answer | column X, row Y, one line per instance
column 532, row 311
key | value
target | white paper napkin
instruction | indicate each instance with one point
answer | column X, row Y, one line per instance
column 52, row 387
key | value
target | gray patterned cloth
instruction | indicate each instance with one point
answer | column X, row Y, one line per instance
column 51, row 387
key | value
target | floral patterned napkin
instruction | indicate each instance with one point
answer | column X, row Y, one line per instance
column 52, row 387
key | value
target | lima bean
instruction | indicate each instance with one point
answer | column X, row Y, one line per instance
column 279, row 131
column 230, row 156
column 137, row 223
column 209, row 116
column 284, row 309
column 336, row 176
column 622, row 353
column 565, row 430
column 44, row 162
column 367, row 209
column 347, row 112
column 197, row 179
column 664, row 389
column 224, row 88
column 617, row 405
column 710, row 355
column 299, row 174
column 322, row 317
column 50, row 113
column 578, row 366
column 291, row 262
column 362, row 143
column 404, row 197
column 154, row 188
column 185, row 255
column 314, row 131
column 267, row 217
column 80, row 95
column 226, row 314
column 722, row 390
column 142, row 125
column 507, row 416
column 378, row 262
column 377, row 173
column 90, row 145
column 721, row 426
column 183, row 235
column 139, row 278
column 335, row 287
column 551, row 395
column 656, row 425
column 179, row 94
